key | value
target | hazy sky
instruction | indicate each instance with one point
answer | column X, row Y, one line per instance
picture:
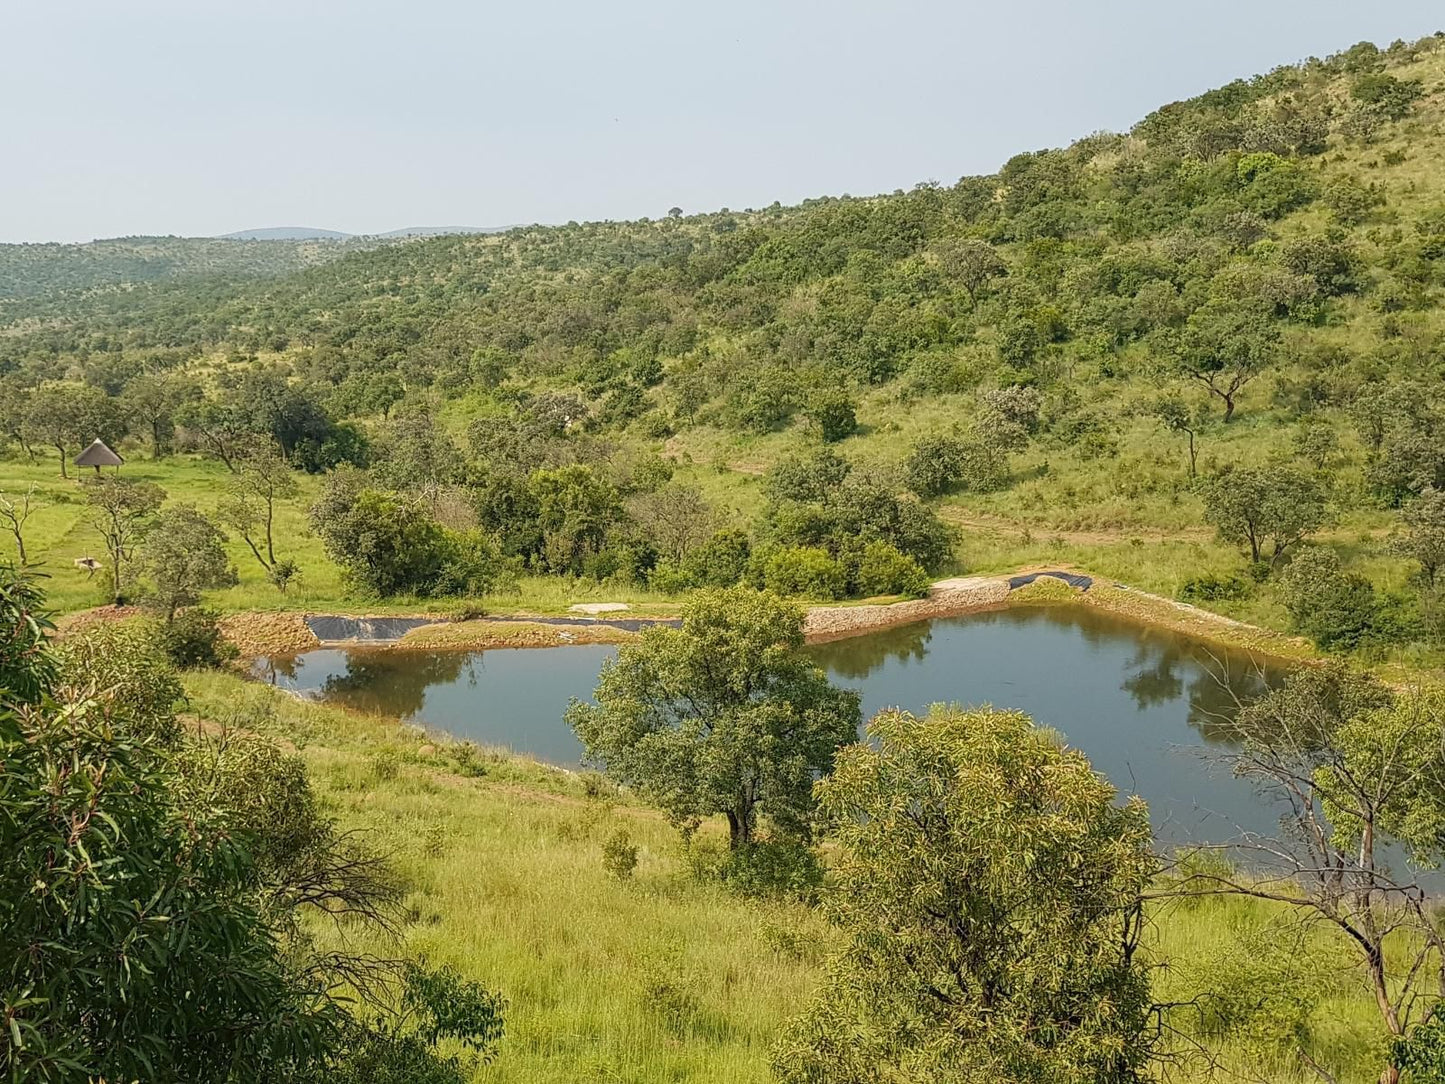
column 206, row 116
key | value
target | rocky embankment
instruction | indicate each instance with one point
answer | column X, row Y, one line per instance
column 947, row 598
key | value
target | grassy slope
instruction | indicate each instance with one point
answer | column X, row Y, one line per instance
column 659, row 978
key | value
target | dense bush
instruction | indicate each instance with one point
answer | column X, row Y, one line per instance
column 803, row 571
column 194, row 639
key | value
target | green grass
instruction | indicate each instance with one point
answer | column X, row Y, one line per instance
column 663, row 977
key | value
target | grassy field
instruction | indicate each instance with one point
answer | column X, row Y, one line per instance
column 665, row 976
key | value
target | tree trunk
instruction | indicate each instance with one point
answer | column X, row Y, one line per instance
column 1228, row 406
column 63, row 472
column 1193, row 457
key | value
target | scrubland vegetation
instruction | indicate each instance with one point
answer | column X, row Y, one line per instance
column 1202, row 357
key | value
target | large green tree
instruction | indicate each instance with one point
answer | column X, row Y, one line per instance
column 724, row 715
column 184, row 554
column 1265, row 506
column 989, row 899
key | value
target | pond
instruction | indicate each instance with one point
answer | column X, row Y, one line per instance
column 1147, row 705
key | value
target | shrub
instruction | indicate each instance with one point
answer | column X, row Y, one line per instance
column 193, row 640
column 835, row 414
column 1334, row 608
column 808, row 571
column 774, row 867
column 721, row 561
column 881, row 569
column 1212, row 588
column 619, row 855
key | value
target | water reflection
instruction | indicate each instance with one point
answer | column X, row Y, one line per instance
column 1143, row 703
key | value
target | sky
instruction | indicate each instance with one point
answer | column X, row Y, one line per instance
column 200, row 117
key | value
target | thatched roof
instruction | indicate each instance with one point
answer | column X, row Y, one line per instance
column 98, row 455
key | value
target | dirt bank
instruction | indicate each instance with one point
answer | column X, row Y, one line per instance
column 482, row 633
column 947, row 598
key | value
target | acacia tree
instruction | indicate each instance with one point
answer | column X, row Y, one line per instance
column 68, row 416
column 724, row 715
column 1256, row 506
column 259, row 481
column 121, row 513
column 972, row 263
column 989, row 897
column 1358, row 772
column 184, row 555
column 154, row 398
column 1174, row 415
column 1225, row 350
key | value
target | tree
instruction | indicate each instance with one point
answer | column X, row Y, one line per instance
column 223, row 429
column 1225, row 350
column 27, row 664
column 724, row 715
column 1174, row 415
column 15, row 515
column 676, row 519
column 69, row 416
column 185, row 554
column 153, row 399
column 259, row 481
column 153, row 898
column 834, row 413
column 1424, row 538
column 121, row 513
column 1359, row 773
column 576, row 510
column 1255, row 506
column 1331, row 606
column 989, row 899
column 387, row 543
column 972, row 263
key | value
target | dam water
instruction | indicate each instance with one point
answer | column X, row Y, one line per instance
column 1149, row 706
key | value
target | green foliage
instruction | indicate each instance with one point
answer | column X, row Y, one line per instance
column 1331, row 606
column 122, row 513
column 389, row 544
column 989, row 899
column 128, row 664
column 1277, row 506
column 184, row 555
column 801, row 571
column 879, row 568
column 27, row 665
column 619, row 854
column 98, row 859
column 194, row 639
column 835, row 414
column 1213, row 588
column 724, row 715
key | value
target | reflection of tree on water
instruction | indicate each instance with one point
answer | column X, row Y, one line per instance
column 273, row 668
column 395, row 682
column 1217, row 682
column 859, row 656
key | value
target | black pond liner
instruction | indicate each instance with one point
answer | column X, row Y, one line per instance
column 1073, row 579
column 376, row 630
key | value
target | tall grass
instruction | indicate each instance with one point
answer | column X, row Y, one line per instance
column 665, row 976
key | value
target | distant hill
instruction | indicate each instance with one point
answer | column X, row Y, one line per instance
column 285, row 233
column 441, row 231
column 310, row 233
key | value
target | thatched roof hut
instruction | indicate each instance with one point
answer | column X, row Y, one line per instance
column 98, row 455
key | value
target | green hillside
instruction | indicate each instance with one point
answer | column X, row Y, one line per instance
column 1024, row 357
